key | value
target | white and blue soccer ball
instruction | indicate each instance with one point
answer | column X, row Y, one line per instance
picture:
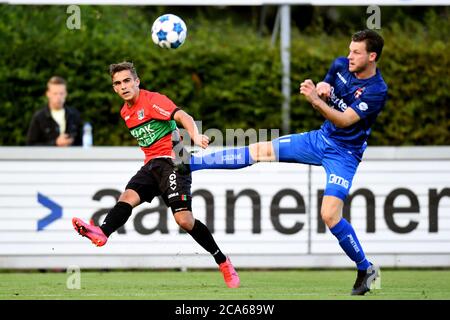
column 169, row 31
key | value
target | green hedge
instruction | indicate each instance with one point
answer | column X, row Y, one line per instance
column 224, row 75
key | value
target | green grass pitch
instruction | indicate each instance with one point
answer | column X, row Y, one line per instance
column 209, row 285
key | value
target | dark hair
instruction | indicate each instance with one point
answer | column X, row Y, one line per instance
column 117, row 67
column 374, row 42
column 56, row 80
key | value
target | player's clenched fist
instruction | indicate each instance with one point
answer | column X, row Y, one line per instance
column 308, row 89
column 201, row 140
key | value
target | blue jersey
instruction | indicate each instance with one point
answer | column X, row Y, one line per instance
column 366, row 96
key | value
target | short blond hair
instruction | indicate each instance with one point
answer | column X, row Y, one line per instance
column 56, row 80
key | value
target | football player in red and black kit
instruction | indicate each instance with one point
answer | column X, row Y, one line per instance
column 151, row 118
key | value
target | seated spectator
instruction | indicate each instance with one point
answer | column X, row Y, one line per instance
column 56, row 124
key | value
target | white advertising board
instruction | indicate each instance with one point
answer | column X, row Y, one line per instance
column 266, row 215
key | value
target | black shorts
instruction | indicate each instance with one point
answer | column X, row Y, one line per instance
column 159, row 178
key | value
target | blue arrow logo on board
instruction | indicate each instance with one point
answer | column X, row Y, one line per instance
column 56, row 211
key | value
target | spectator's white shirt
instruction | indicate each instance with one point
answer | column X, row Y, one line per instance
column 60, row 117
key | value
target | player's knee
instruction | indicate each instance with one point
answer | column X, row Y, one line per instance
column 329, row 218
column 131, row 197
column 185, row 220
column 331, row 210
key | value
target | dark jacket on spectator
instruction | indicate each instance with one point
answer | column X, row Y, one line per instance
column 44, row 131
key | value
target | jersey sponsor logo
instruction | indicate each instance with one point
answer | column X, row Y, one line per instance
column 173, row 195
column 334, row 179
column 363, row 106
column 141, row 114
column 342, row 105
column 144, row 134
column 342, row 78
column 161, row 110
column 173, row 181
column 149, row 132
column 338, row 103
column 359, row 92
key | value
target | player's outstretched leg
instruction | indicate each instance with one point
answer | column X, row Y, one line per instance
column 233, row 158
column 366, row 279
column 94, row 233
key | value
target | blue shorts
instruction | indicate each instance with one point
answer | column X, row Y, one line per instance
column 313, row 148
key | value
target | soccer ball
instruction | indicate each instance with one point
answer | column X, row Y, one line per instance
column 169, row 31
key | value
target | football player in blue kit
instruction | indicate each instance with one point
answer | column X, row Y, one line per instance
column 350, row 98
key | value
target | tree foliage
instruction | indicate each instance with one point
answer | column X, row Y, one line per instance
column 225, row 75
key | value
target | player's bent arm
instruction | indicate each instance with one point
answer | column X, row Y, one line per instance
column 339, row 119
column 189, row 124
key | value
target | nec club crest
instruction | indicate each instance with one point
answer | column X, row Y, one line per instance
column 141, row 114
column 359, row 92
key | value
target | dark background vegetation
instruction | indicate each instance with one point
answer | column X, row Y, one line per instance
column 227, row 74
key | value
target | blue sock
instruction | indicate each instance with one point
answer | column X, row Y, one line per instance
column 224, row 159
column 348, row 241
